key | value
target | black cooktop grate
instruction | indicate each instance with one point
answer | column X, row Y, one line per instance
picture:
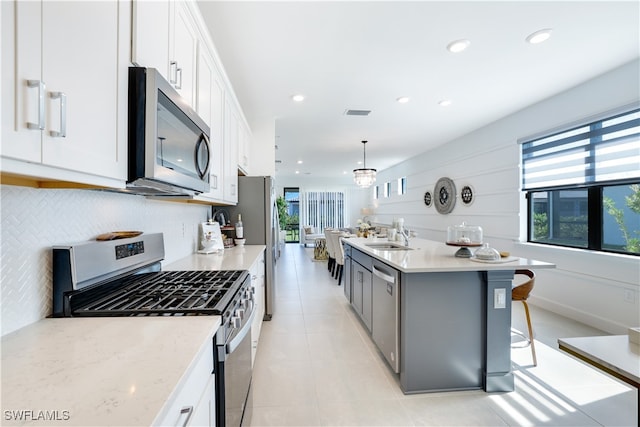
column 167, row 293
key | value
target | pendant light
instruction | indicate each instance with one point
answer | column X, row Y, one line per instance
column 364, row 177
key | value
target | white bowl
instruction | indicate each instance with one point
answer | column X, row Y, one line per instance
column 239, row 242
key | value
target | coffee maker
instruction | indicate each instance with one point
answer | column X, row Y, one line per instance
column 210, row 238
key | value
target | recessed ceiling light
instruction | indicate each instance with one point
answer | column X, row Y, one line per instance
column 539, row 36
column 298, row 97
column 445, row 103
column 297, row 172
column 403, row 99
column 457, row 46
column 299, row 162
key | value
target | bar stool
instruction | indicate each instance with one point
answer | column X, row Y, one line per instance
column 520, row 293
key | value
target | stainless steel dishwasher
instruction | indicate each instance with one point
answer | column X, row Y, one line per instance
column 386, row 316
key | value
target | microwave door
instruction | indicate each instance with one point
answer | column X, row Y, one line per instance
column 182, row 150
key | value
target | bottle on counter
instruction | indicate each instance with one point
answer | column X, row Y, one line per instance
column 239, row 228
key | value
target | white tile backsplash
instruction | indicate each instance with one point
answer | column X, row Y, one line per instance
column 34, row 220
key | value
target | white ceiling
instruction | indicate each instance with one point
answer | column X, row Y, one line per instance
column 365, row 54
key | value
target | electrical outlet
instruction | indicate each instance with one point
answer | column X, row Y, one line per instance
column 629, row 296
column 499, row 298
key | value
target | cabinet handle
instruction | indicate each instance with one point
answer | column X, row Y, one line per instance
column 214, row 184
column 179, row 78
column 40, row 85
column 188, row 410
column 173, row 72
column 383, row 275
column 62, row 133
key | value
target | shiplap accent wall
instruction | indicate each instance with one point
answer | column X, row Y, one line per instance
column 34, row 220
column 590, row 287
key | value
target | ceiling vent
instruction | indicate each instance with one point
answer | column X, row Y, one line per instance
column 357, row 112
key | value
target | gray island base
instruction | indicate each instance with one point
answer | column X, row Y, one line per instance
column 442, row 323
column 451, row 337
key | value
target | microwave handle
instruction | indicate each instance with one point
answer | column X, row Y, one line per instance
column 203, row 140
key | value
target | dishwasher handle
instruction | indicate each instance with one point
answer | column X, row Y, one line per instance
column 383, row 275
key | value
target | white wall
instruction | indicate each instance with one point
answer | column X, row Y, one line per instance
column 591, row 287
column 34, row 220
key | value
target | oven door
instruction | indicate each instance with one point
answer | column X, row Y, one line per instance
column 233, row 379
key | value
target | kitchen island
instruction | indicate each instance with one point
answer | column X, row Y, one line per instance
column 443, row 323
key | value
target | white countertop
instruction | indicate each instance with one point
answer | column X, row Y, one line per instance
column 431, row 256
column 99, row 371
column 236, row 258
column 108, row 370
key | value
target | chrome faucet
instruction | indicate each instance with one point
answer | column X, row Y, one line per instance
column 405, row 233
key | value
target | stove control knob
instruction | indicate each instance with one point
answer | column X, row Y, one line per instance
column 236, row 322
column 240, row 313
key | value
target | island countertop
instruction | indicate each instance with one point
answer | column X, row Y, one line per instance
column 427, row 256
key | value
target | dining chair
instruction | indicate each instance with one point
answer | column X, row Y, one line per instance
column 330, row 250
column 339, row 254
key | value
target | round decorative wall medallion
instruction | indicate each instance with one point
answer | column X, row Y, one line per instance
column 466, row 195
column 445, row 195
column 427, row 198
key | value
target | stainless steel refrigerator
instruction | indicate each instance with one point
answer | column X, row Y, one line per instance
column 257, row 205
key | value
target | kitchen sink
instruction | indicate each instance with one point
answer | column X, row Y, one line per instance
column 388, row 247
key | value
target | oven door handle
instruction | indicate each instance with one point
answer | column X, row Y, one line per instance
column 235, row 341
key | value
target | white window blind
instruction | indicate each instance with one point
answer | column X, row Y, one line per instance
column 597, row 152
column 323, row 209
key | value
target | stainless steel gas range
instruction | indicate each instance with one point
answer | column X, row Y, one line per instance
column 124, row 278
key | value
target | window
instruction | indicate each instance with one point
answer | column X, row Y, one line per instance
column 583, row 185
column 323, row 209
column 386, row 190
column 402, row 185
column 376, row 192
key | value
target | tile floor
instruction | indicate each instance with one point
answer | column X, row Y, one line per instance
column 316, row 366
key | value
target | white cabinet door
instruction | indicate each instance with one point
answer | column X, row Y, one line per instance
column 183, row 47
column 210, row 99
column 22, row 89
column 165, row 37
column 62, row 93
column 230, row 153
column 150, row 35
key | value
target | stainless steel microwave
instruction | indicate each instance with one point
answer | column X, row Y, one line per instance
column 168, row 142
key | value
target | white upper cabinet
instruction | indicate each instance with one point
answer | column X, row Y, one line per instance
column 150, row 34
column 230, row 152
column 63, row 71
column 165, row 38
column 183, row 47
column 210, row 105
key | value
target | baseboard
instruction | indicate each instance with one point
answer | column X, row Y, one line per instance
column 589, row 319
